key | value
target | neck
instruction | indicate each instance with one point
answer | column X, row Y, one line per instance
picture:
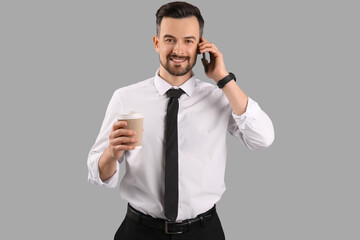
column 171, row 79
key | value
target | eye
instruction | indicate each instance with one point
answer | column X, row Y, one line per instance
column 188, row 41
column 169, row 40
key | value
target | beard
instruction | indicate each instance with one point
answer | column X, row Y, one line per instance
column 177, row 69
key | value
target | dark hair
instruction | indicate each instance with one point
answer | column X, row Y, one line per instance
column 178, row 10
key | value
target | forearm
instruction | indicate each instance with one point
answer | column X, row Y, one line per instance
column 237, row 98
column 107, row 165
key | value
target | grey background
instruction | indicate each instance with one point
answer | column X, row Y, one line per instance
column 62, row 60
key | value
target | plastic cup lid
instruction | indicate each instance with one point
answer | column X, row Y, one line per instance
column 130, row 115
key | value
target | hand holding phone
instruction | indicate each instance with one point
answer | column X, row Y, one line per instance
column 215, row 68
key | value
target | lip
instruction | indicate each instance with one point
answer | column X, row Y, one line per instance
column 183, row 60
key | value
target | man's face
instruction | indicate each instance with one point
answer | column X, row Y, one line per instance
column 177, row 44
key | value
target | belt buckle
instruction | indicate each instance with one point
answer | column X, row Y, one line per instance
column 166, row 228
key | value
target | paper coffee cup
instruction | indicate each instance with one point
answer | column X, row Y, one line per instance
column 135, row 121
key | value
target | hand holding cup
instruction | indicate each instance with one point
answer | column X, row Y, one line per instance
column 121, row 139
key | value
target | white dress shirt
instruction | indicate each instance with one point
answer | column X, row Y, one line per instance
column 204, row 117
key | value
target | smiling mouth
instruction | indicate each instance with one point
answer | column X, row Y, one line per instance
column 178, row 60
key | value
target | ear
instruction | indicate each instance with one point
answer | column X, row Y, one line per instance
column 156, row 43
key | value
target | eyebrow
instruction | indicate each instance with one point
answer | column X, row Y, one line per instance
column 171, row 36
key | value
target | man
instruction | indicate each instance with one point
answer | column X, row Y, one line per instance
column 173, row 183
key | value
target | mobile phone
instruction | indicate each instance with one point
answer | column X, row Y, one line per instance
column 203, row 60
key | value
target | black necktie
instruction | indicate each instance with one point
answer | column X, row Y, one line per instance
column 171, row 155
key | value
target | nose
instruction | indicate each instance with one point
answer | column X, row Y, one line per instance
column 179, row 49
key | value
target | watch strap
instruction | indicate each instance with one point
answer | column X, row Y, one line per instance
column 226, row 79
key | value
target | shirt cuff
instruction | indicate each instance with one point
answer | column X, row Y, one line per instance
column 248, row 116
column 94, row 175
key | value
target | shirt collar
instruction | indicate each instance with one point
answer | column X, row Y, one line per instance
column 162, row 86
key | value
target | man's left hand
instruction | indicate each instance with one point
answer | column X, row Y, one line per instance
column 216, row 67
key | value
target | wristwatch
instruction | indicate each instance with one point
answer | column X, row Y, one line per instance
column 226, row 79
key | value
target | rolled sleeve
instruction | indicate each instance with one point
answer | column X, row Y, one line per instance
column 101, row 143
column 253, row 127
column 94, row 175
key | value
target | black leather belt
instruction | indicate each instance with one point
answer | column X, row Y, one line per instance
column 171, row 227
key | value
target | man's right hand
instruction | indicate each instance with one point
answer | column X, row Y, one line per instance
column 120, row 139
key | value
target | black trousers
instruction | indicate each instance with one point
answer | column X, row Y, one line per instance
column 131, row 230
